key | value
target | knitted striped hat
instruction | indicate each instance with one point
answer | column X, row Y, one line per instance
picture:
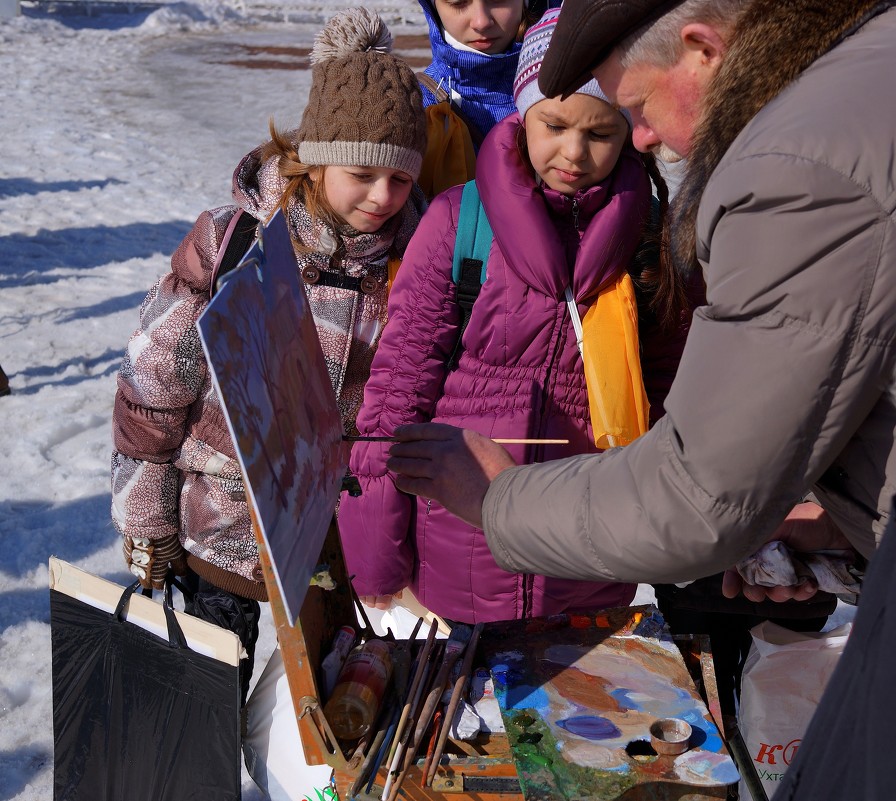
column 364, row 108
column 535, row 44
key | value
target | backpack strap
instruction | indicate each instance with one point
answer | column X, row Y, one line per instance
column 241, row 232
column 471, row 249
column 443, row 96
column 435, row 90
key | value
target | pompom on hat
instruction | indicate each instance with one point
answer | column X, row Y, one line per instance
column 586, row 34
column 365, row 108
column 526, row 86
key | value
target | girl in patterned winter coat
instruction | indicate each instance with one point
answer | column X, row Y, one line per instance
column 345, row 183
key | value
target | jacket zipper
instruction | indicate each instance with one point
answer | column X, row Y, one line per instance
column 529, row 578
column 575, row 214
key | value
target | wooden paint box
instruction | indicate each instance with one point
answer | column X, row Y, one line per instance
column 484, row 770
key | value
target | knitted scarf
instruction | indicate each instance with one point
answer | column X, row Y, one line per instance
column 349, row 322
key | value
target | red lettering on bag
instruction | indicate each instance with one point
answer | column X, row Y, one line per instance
column 767, row 753
column 790, row 751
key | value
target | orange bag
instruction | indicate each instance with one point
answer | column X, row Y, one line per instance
column 450, row 157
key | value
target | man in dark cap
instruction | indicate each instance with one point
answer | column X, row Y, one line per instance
column 788, row 381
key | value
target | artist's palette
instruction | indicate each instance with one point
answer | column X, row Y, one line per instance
column 579, row 694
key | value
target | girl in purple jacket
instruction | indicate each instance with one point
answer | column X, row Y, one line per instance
column 569, row 201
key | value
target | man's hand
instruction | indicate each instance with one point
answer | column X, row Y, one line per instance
column 806, row 528
column 453, row 466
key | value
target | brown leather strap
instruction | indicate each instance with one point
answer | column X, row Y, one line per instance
column 441, row 96
column 437, row 91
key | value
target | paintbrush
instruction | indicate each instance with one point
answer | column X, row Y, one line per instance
column 436, row 723
column 456, row 694
column 401, row 744
column 460, row 636
column 401, row 668
column 415, row 683
column 398, row 739
column 376, row 745
column 499, row 440
column 372, row 769
column 397, row 758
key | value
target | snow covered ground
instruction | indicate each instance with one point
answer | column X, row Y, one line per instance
column 120, row 125
column 118, row 129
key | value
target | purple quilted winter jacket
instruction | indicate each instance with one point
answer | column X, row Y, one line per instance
column 520, row 375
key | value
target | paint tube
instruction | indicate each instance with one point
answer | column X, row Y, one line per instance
column 333, row 661
column 482, row 696
column 466, row 724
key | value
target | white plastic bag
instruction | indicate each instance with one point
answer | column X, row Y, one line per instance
column 783, row 679
column 272, row 747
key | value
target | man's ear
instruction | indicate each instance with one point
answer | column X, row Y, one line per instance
column 705, row 43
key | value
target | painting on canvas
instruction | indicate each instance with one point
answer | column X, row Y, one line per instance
column 260, row 339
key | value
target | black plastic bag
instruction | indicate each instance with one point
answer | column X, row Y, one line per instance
column 135, row 716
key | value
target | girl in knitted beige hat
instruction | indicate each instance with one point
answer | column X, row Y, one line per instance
column 345, row 183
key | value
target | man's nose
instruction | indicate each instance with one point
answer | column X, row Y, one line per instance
column 644, row 138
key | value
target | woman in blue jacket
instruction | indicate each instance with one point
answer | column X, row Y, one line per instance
column 475, row 51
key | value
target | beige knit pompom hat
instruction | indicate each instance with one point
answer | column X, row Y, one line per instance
column 365, row 106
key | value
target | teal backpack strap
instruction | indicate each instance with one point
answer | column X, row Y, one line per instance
column 468, row 268
column 474, row 234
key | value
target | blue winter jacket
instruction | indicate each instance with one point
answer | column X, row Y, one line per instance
column 485, row 83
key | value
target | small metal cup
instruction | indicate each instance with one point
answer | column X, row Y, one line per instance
column 670, row 735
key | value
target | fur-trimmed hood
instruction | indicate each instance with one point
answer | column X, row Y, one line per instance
column 772, row 44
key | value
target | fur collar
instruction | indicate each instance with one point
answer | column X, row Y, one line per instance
column 773, row 42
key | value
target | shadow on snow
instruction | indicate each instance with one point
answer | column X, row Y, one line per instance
column 13, row 187
column 85, row 248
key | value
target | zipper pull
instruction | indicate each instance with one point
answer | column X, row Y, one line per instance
column 576, row 320
column 575, row 213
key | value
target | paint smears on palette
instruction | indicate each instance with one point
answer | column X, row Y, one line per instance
column 579, row 693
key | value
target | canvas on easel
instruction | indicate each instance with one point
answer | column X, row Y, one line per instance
column 268, row 367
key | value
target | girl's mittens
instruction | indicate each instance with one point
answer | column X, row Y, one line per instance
column 149, row 560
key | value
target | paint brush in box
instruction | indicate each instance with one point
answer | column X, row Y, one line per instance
column 456, row 695
column 454, row 648
column 401, row 735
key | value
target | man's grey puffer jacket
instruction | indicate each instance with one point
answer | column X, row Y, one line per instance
column 787, row 378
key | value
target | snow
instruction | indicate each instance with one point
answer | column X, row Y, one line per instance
column 122, row 122
column 118, row 130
